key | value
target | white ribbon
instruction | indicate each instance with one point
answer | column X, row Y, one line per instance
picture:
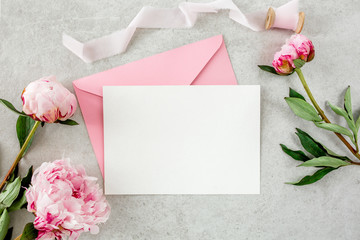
column 184, row 16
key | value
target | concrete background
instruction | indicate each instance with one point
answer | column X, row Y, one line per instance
column 31, row 47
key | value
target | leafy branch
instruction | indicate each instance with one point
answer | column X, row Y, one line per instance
column 337, row 110
column 320, row 156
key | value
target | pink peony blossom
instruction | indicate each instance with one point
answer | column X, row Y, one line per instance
column 303, row 46
column 298, row 46
column 47, row 100
column 283, row 60
column 65, row 201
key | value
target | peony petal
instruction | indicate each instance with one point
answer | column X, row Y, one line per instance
column 48, row 100
column 66, row 201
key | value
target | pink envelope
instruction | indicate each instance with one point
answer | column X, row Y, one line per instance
column 201, row 63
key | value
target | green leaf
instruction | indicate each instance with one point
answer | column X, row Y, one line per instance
column 18, row 204
column 323, row 148
column 324, row 162
column 333, row 154
column 299, row 63
column 11, row 107
column 303, row 109
column 350, row 120
column 297, row 155
column 8, row 196
column 310, row 144
column 319, row 174
column 24, row 125
column 335, row 128
column 295, row 94
column 347, row 103
column 68, row 122
column 269, row 69
column 29, row 232
column 341, row 112
column 14, row 174
column 357, row 125
column 9, row 234
column 25, row 182
column 12, row 177
column 4, row 224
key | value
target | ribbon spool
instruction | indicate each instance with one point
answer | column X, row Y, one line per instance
column 281, row 19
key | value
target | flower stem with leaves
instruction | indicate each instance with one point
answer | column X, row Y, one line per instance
column 322, row 157
column 355, row 152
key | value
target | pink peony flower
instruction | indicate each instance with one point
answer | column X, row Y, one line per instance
column 47, row 100
column 65, row 201
column 298, row 46
column 283, row 60
column 304, row 47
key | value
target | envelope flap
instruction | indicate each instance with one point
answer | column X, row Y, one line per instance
column 179, row 66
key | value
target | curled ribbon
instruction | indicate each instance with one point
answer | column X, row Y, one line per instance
column 184, row 16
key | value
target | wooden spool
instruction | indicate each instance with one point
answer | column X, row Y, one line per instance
column 270, row 19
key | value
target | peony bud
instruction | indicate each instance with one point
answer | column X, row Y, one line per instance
column 46, row 100
column 303, row 46
column 283, row 60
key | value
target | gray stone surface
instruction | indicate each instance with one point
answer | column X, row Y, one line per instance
column 30, row 47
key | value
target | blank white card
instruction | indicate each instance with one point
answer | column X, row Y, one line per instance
column 182, row 139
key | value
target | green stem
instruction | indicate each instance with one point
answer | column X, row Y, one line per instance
column 20, row 154
column 322, row 114
column 307, row 89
